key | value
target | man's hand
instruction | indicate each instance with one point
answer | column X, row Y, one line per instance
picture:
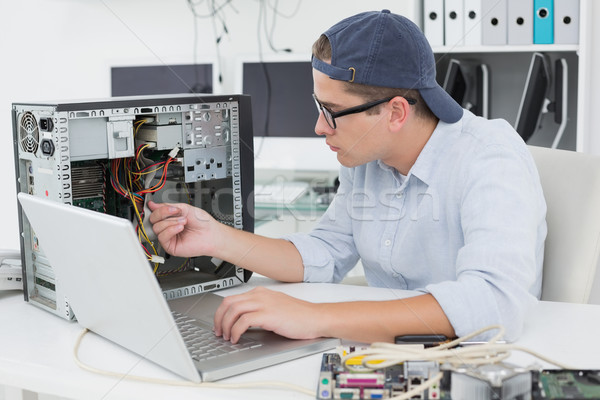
column 184, row 230
column 266, row 309
column 361, row 321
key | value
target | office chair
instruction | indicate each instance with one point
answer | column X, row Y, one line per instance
column 571, row 185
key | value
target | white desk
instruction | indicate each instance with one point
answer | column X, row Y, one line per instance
column 36, row 350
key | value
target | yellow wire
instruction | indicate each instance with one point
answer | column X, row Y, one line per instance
column 138, row 152
column 149, row 171
column 142, row 229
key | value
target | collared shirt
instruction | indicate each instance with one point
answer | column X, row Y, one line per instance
column 467, row 224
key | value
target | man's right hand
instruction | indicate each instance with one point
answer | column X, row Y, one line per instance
column 184, row 230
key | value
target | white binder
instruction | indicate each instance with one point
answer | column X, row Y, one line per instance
column 433, row 22
column 473, row 22
column 454, row 23
column 494, row 28
column 520, row 21
column 566, row 21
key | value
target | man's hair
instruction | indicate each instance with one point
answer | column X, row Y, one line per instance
column 321, row 49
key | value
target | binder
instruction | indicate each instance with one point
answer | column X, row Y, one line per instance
column 543, row 21
column 473, row 22
column 433, row 22
column 454, row 23
column 566, row 21
column 520, row 22
column 494, row 28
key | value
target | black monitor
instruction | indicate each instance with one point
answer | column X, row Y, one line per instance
column 534, row 97
column 455, row 82
column 161, row 79
column 281, row 93
column 481, row 97
column 559, row 106
column 535, row 100
column 468, row 83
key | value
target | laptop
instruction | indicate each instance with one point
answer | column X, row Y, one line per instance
column 113, row 292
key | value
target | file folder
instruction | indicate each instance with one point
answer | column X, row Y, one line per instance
column 494, row 28
column 433, row 22
column 454, row 23
column 566, row 21
column 543, row 21
column 520, row 22
column 473, row 22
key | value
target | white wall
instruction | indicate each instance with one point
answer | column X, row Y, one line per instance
column 63, row 49
column 593, row 97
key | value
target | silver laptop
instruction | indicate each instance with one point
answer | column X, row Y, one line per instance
column 114, row 293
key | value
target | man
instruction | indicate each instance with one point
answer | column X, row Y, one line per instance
column 431, row 198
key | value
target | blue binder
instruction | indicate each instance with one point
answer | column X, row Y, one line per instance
column 543, row 21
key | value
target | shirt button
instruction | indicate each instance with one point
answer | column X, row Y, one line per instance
column 399, row 194
column 387, row 242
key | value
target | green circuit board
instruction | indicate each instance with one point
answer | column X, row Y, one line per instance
column 570, row 384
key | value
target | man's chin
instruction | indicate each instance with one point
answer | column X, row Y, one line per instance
column 348, row 163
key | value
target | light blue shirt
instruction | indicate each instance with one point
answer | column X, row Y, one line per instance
column 467, row 224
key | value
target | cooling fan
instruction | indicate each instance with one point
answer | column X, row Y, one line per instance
column 29, row 133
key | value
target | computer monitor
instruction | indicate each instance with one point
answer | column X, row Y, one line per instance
column 467, row 82
column 284, row 113
column 534, row 97
column 281, row 92
column 455, row 82
column 162, row 79
column 481, row 97
column 535, row 100
column 559, row 106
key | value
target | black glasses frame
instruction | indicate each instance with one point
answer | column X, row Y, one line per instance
column 330, row 116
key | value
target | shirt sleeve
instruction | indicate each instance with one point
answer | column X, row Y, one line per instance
column 328, row 251
column 499, row 267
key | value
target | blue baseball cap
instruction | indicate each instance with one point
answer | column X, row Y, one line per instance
column 388, row 50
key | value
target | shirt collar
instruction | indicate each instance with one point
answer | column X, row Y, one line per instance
column 423, row 168
column 443, row 135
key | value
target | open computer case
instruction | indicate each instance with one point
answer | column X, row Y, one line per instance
column 113, row 155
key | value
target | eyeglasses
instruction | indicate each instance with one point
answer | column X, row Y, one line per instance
column 330, row 116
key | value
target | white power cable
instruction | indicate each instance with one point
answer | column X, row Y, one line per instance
column 125, row 376
column 377, row 356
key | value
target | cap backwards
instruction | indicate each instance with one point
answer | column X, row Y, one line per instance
column 388, row 50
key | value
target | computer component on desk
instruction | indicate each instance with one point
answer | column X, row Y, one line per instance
column 113, row 155
column 432, row 380
column 338, row 382
column 280, row 192
column 557, row 384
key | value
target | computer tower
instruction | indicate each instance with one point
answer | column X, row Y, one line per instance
column 113, row 155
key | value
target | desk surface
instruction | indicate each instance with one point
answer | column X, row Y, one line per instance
column 36, row 349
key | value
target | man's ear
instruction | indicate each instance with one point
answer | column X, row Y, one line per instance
column 400, row 112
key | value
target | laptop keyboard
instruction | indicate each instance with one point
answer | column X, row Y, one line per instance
column 203, row 344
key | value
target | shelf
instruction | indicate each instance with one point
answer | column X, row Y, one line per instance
column 507, row 48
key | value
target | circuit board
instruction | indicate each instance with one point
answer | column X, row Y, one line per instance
column 335, row 382
column 570, row 384
column 493, row 381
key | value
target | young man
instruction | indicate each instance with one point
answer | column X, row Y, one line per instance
column 431, row 198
